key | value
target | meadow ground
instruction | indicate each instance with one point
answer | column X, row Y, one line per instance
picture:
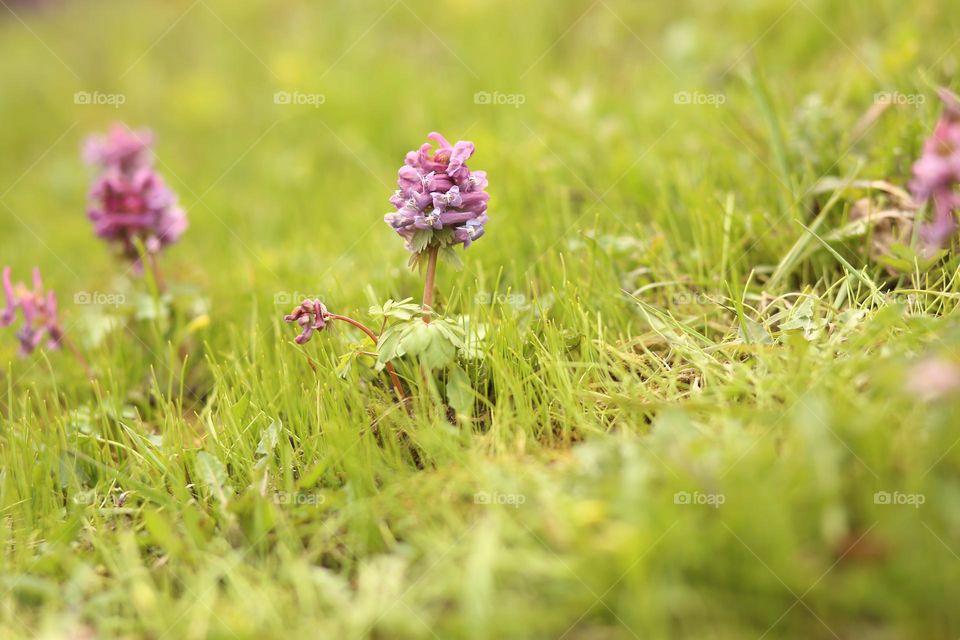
column 712, row 399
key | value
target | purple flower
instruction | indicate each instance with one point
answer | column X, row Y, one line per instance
column 312, row 316
column 937, row 173
column 130, row 200
column 120, row 148
column 39, row 311
column 439, row 197
column 137, row 205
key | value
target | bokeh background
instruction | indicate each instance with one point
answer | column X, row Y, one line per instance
column 584, row 131
column 628, row 144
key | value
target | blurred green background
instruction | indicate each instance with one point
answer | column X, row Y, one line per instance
column 628, row 144
column 291, row 197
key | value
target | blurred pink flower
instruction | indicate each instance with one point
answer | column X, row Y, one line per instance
column 937, row 173
column 137, row 205
column 933, row 378
column 130, row 201
column 120, row 148
column 39, row 311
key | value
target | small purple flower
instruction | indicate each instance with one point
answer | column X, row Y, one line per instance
column 937, row 173
column 312, row 316
column 39, row 311
column 120, row 148
column 137, row 205
column 440, row 196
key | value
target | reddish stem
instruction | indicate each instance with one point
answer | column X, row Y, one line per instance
column 72, row 348
column 428, row 285
column 393, row 372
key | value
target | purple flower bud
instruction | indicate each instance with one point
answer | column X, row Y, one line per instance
column 937, row 173
column 438, row 192
column 39, row 311
column 311, row 315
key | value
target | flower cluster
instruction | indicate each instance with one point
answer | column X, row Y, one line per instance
column 39, row 311
column 937, row 173
column 131, row 202
column 312, row 316
column 134, row 206
column 439, row 202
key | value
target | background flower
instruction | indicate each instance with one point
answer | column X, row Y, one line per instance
column 120, row 148
column 130, row 201
column 937, row 173
column 138, row 206
column 39, row 311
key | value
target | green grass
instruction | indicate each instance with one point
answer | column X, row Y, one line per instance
column 669, row 319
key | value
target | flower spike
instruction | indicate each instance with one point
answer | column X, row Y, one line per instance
column 439, row 202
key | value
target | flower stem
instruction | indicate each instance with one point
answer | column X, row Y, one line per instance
column 428, row 285
column 72, row 348
column 393, row 372
column 157, row 274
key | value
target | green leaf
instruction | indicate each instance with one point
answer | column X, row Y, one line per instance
column 421, row 239
column 388, row 347
column 418, row 338
column 452, row 332
column 801, row 316
column 435, row 344
column 403, row 310
column 459, row 392
column 439, row 353
column 474, row 338
column 903, row 258
column 162, row 531
column 752, row 332
column 451, row 257
column 213, row 474
column 269, row 438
